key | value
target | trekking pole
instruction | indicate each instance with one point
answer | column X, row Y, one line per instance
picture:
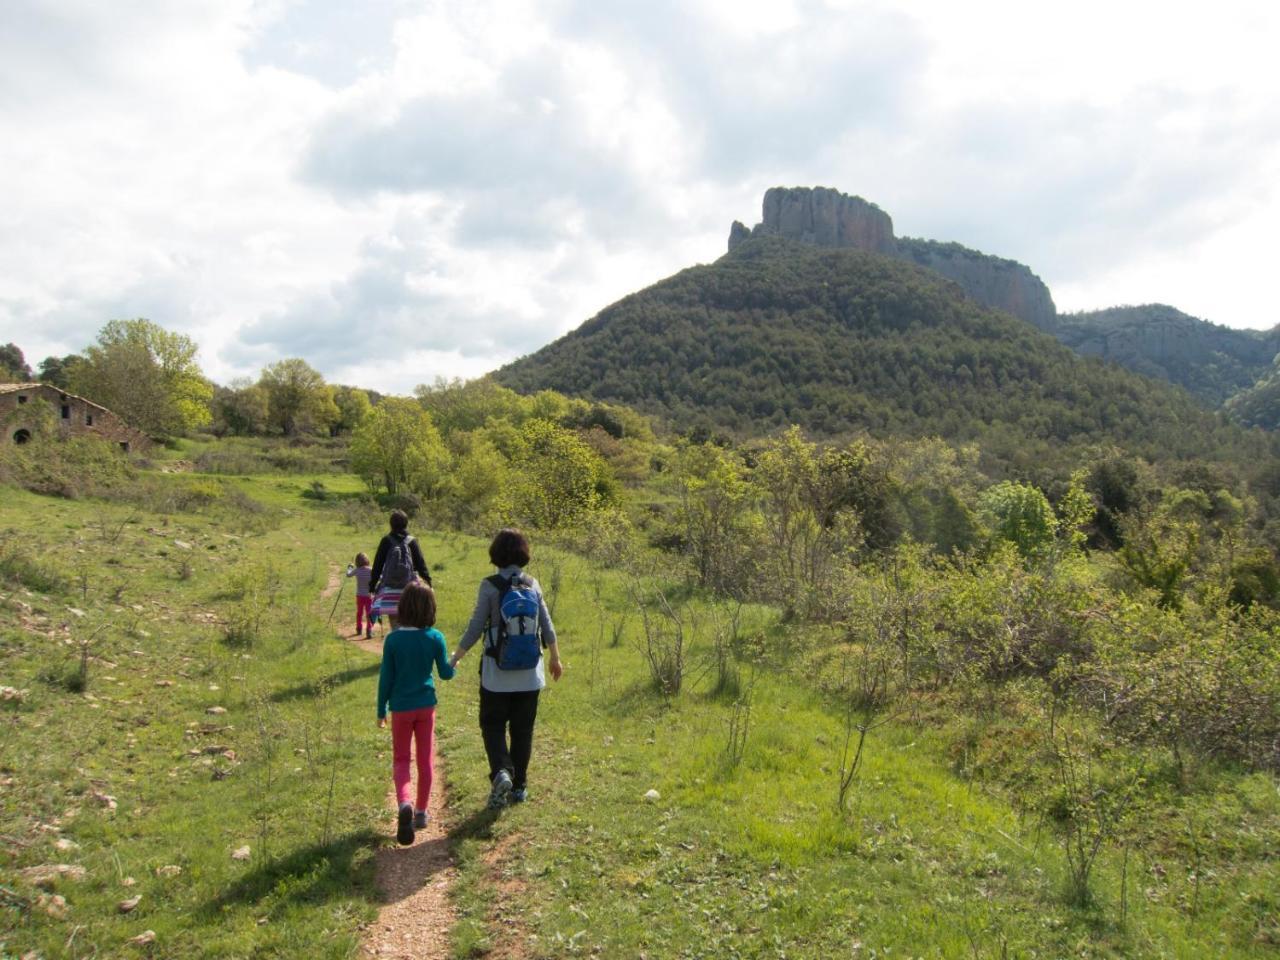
column 342, row 587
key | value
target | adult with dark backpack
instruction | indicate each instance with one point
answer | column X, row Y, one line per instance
column 512, row 616
column 397, row 563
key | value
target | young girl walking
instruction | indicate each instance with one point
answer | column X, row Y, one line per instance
column 405, row 686
column 364, row 598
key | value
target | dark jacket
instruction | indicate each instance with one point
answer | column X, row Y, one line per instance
column 420, row 565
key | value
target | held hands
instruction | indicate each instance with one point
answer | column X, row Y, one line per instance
column 453, row 661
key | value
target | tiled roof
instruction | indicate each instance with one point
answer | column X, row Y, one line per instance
column 11, row 387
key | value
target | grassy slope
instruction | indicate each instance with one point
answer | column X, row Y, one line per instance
column 757, row 861
column 746, row 861
column 298, row 705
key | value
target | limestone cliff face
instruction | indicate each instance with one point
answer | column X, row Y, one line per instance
column 1004, row 284
column 829, row 218
column 826, row 218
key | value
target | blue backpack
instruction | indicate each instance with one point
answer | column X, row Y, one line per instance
column 518, row 645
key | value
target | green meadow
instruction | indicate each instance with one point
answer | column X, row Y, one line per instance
column 189, row 749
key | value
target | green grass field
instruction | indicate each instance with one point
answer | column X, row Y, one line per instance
column 129, row 632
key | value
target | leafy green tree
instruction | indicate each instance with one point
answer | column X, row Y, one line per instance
column 147, row 375
column 714, row 514
column 56, row 371
column 468, row 405
column 1160, row 546
column 1075, row 511
column 298, row 398
column 555, row 476
column 240, row 408
column 398, row 448
column 353, row 406
column 955, row 527
column 1020, row 514
column 477, row 478
column 13, row 365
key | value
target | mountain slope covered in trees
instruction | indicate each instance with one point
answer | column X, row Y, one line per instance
column 841, row 341
column 1212, row 361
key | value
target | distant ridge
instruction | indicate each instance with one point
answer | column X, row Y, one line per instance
column 840, row 340
column 1212, row 361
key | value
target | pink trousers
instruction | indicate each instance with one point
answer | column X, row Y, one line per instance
column 408, row 726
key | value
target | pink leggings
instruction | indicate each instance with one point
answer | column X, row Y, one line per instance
column 408, row 725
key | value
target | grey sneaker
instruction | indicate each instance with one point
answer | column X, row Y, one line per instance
column 501, row 789
column 519, row 795
column 404, row 825
column 420, row 820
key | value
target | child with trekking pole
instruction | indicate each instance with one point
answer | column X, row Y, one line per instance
column 405, row 687
column 512, row 616
column 364, row 598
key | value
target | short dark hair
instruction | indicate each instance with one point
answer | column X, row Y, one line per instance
column 399, row 521
column 509, row 548
column 417, row 607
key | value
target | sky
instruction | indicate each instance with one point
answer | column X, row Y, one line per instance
column 397, row 191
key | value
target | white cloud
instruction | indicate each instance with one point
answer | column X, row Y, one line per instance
column 471, row 180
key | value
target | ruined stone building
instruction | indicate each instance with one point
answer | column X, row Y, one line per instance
column 24, row 406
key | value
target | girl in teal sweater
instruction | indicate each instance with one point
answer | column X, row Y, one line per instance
column 405, row 686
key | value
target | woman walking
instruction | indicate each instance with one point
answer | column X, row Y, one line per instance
column 512, row 616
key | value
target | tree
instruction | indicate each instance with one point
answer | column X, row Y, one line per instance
column 1020, row 514
column 240, row 408
column 56, row 370
column 468, row 404
column 353, row 406
column 147, row 375
column 556, row 477
column 13, row 365
column 398, row 447
column 714, row 512
column 297, row 397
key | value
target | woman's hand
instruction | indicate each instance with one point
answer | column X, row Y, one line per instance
column 382, row 723
column 453, row 661
column 557, row 668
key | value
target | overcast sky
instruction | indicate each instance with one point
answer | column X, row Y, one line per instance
column 396, row 190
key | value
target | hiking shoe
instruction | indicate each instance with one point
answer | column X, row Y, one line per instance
column 420, row 820
column 404, row 830
column 519, row 795
column 501, row 789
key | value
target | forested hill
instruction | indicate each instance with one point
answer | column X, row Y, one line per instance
column 1212, row 361
column 842, row 340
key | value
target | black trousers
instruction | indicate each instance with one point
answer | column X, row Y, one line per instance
column 498, row 713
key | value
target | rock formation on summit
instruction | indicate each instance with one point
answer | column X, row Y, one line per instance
column 828, row 218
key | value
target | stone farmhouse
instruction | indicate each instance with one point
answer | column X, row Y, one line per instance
column 75, row 416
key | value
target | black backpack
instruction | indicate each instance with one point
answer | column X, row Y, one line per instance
column 397, row 570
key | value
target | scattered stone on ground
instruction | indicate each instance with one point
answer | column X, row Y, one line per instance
column 169, row 870
column 128, row 906
column 145, row 938
column 241, row 853
column 46, row 874
column 216, row 711
column 55, row 905
column 652, row 796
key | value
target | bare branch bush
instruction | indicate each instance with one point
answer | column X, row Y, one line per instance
column 664, row 643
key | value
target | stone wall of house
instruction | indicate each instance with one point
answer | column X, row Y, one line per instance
column 74, row 416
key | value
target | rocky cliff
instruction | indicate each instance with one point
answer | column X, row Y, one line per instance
column 828, row 218
column 993, row 281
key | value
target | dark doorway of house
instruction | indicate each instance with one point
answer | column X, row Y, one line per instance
column 22, row 436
